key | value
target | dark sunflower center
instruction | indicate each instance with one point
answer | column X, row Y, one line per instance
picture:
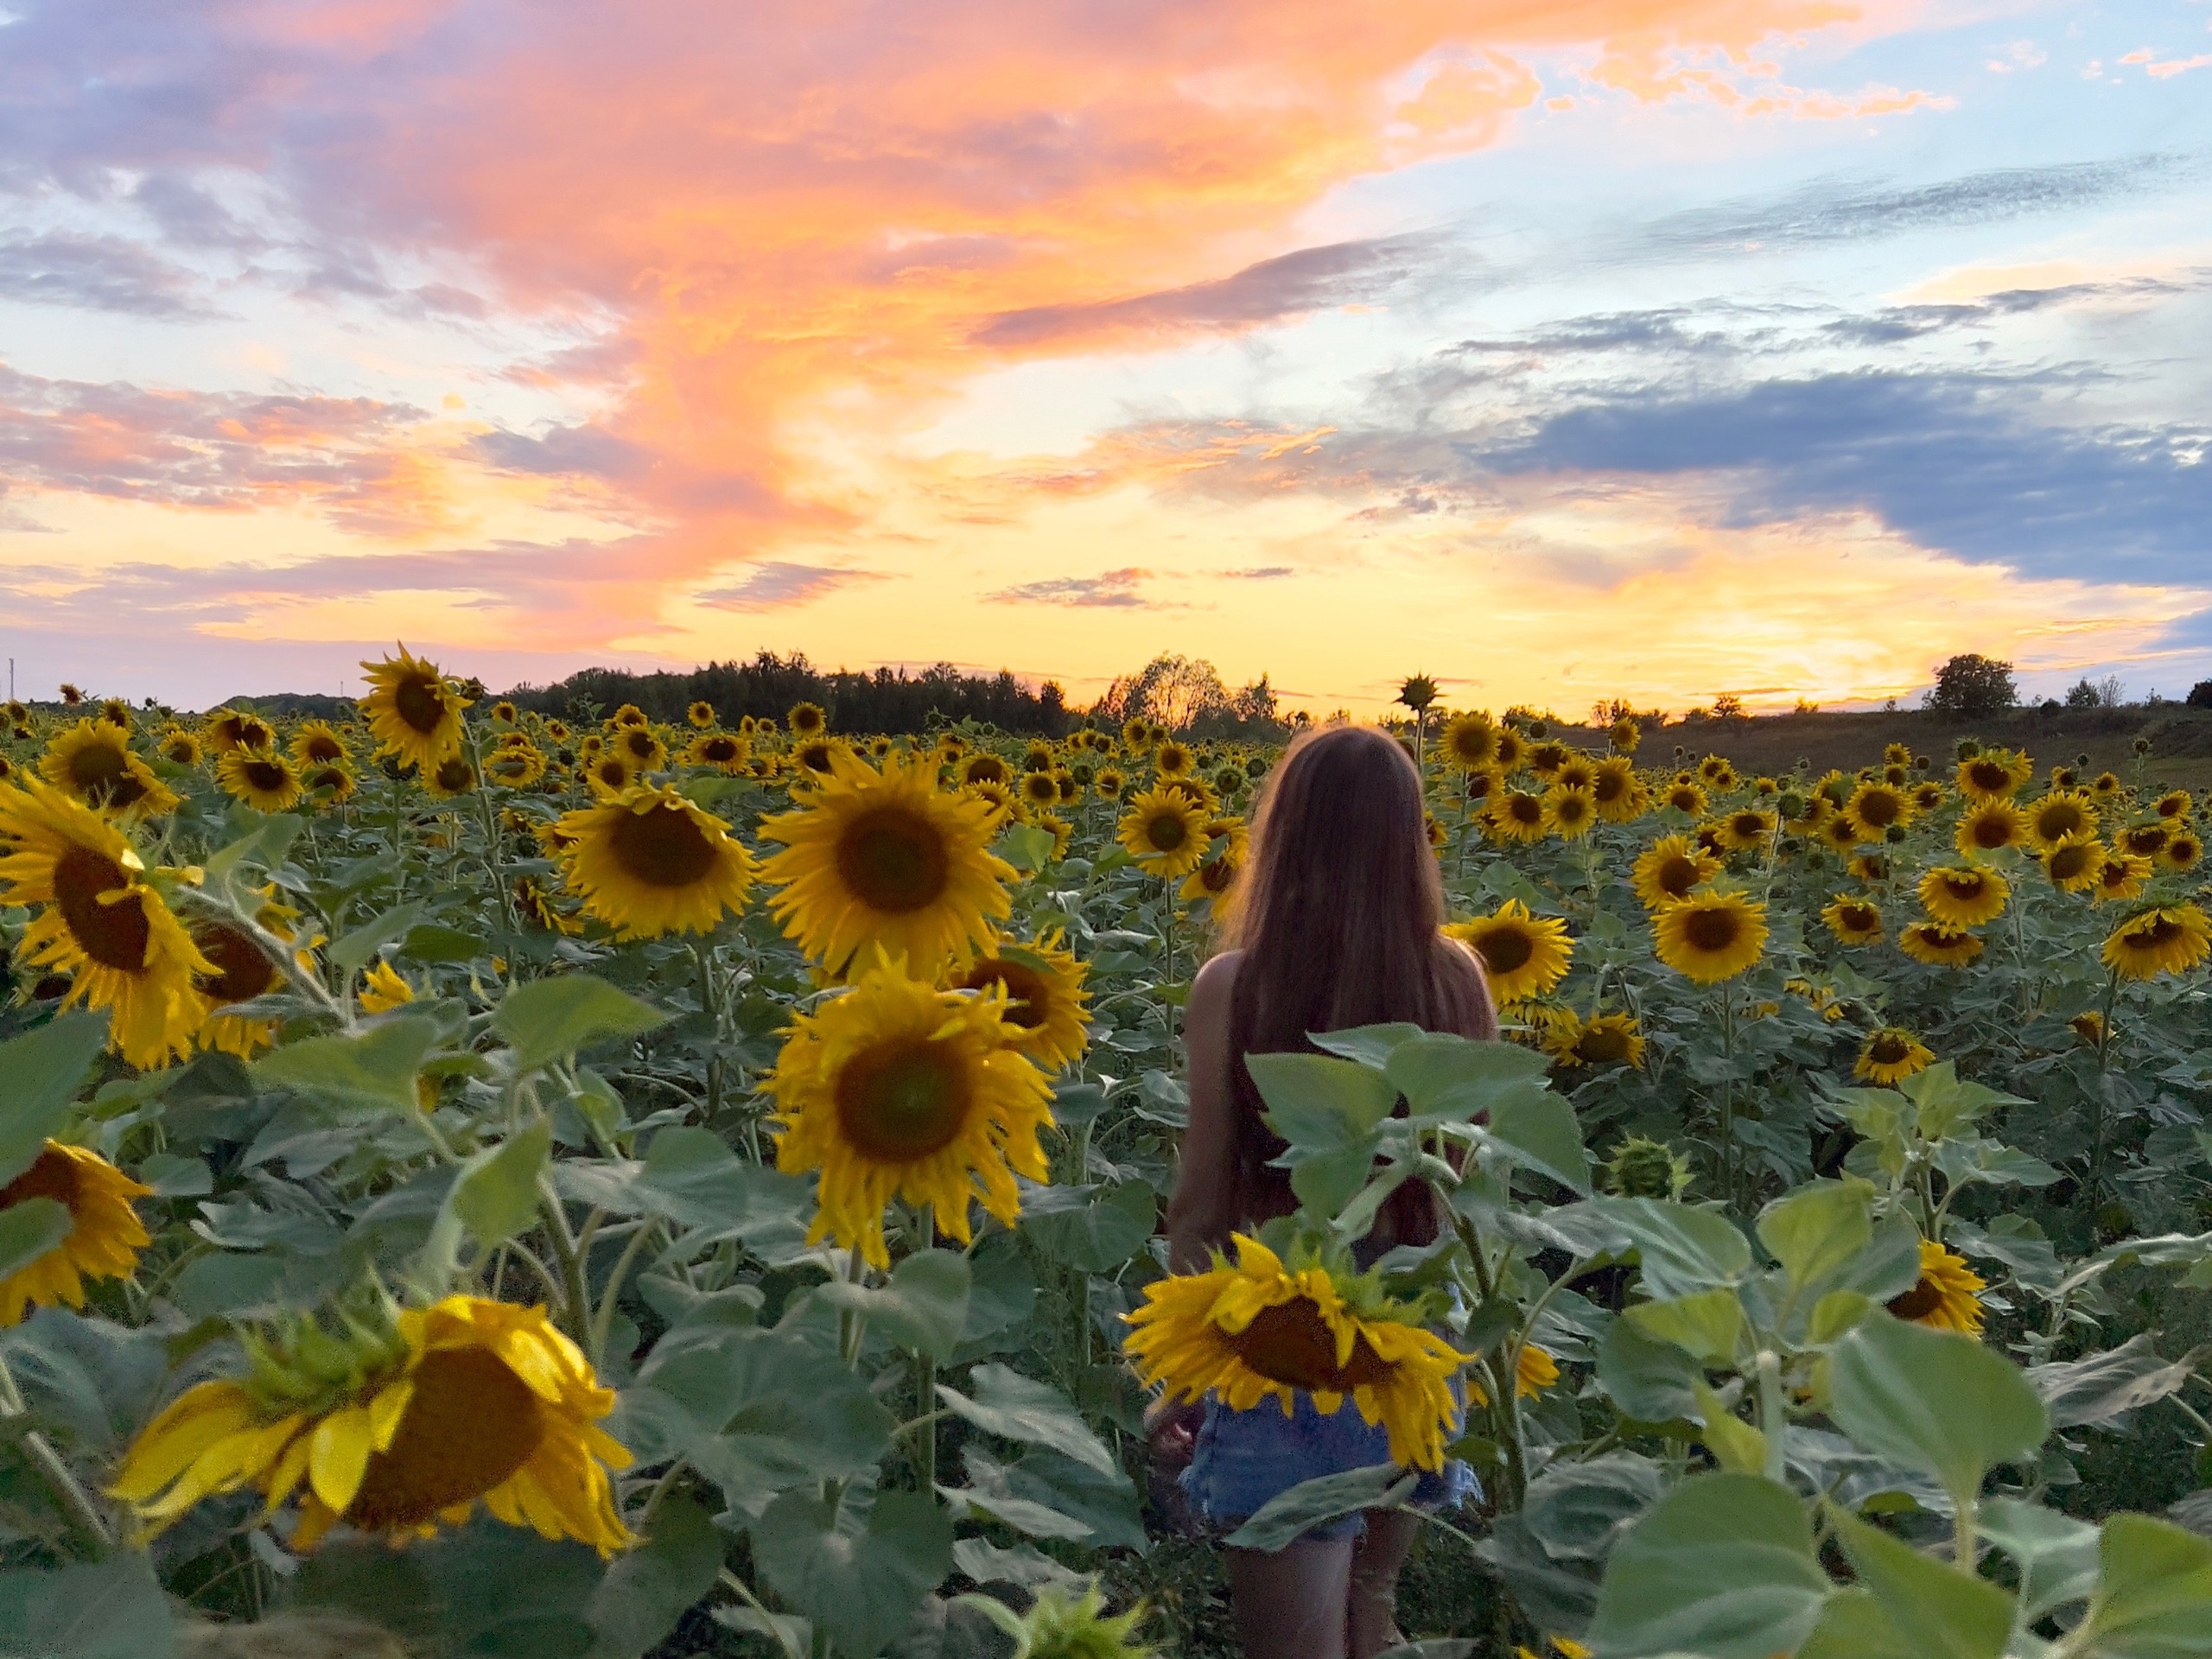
column 322, row 747
column 1917, row 1303
column 2058, row 820
column 1601, row 1045
column 1167, row 832
column 1992, row 831
column 96, row 769
column 2068, row 862
column 1678, row 874
column 1504, row 949
column 2146, row 838
column 904, row 1099
column 639, row 744
column 720, row 750
column 1964, row 888
column 1609, row 787
column 1571, row 809
column 420, row 703
column 613, row 773
column 1292, row 1344
column 115, row 936
column 52, row 1175
column 1683, row 800
column 1858, row 918
column 1749, row 826
column 455, row 774
column 814, row 757
column 894, row 859
column 241, row 971
column 1027, row 997
column 1886, row 1050
column 269, row 777
column 1526, row 809
column 1216, row 877
column 470, row 1424
column 2155, row 933
column 1989, row 775
column 1712, row 930
column 1879, row 807
column 662, row 847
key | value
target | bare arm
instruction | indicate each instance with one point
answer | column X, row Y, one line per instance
column 1197, row 1215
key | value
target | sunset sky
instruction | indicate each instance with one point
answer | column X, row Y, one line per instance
column 1560, row 348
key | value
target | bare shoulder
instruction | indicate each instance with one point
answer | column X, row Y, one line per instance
column 1217, row 975
column 1206, row 1015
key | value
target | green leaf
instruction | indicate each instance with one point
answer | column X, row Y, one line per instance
column 924, row 1308
column 1456, row 1079
column 376, row 1066
column 547, row 1019
column 1934, row 1401
column 1026, row 846
column 2099, row 1386
column 1853, row 1626
column 40, row 1074
column 434, row 942
column 1707, row 1324
column 1952, row 1614
column 1369, row 1044
column 859, row 1571
column 496, row 1196
column 263, row 846
column 1312, row 1502
column 692, row 1179
column 1107, row 1226
column 1578, row 1510
column 1722, row 1567
column 112, row 1609
column 1104, row 1506
column 1541, row 1132
column 29, row 1229
column 1682, row 1250
column 1819, row 1228
column 2056, row 1554
column 353, row 950
column 2155, row 1598
column 1321, row 1104
column 1735, row 1445
column 1024, row 1565
column 1017, row 1407
column 1649, row 1379
column 1945, row 1105
column 647, row 1589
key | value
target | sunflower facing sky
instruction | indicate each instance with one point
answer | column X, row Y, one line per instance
column 887, row 859
column 650, row 861
column 1524, row 956
column 1261, row 1329
column 894, row 1089
column 413, row 711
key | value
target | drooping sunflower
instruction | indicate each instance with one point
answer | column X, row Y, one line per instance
column 1569, row 813
column 93, row 761
column 1533, row 1370
column 2063, row 812
column 450, row 778
column 894, row 1089
column 439, row 1408
column 1515, row 816
column 1164, row 831
column 1871, row 866
column 1967, row 896
column 719, row 750
column 263, row 779
column 317, row 742
column 1469, row 742
column 887, row 858
column 1263, row 1329
column 2072, row 864
column 384, row 989
column 105, row 1234
column 1608, row 1039
column 2121, row 876
column 1711, row 936
column 413, row 711
column 1822, row 998
column 1524, row 956
column 650, row 861
column 2163, row 939
column 98, row 922
column 242, row 971
column 1669, row 868
column 1945, row 1295
column 1227, row 842
column 1891, row 1055
column 1042, row 982
column 1622, row 796
column 1993, row 775
column 1938, row 943
column 2146, row 839
column 1874, row 806
column 1853, row 919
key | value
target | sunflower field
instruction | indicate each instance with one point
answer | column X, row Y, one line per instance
column 479, row 1183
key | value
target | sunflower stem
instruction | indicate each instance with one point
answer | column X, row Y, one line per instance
column 76, row 1502
column 603, row 1323
column 575, row 1293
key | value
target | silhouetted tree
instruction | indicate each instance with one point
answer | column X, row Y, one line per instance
column 1971, row 683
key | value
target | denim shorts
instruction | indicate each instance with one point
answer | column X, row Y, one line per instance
column 1242, row 1458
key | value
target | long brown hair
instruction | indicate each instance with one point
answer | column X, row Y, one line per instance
column 1338, row 918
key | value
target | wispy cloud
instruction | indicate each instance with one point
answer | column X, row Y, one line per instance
column 99, row 273
column 1111, row 590
column 778, row 586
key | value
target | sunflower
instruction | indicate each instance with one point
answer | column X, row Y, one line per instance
column 1518, row 814
column 999, row 801
column 985, row 769
column 1874, row 807
column 1469, row 742
column 2072, row 864
column 701, row 713
column 232, row 728
column 1533, row 1370
column 806, row 720
column 641, row 747
column 2146, row 839
column 338, row 780
column 2174, row 804
column 1683, row 796
column 1711, row 936
column 2165, row 939
column 649, row 862
column 1609, row 1039
column 1927, row 795
column 1622, row 796
column 241, row 972
column 450, row 778
column 105, row 1234
column 535, row 905
column 1569, row 813
column 384, row 989
column 1165, row 832
column 1624, row 734
column 2058, row 815
column 1938, row 943
column 1838, row 831
column 2089, row 1026
column 719, row 750
column 1669, row 868
column 608, row 774
column 262, row 778
column 2121, row 876
column 817, row 757
column 1263, row 1329
column 1546, row 759
column 1173, row 760
column 1525, row 956
column 1215, row 879
column 517, row 766
column 1944, row 1295
column 2105, row 786
column 1993, row 775
column 317, row 742
column 1512, row 752
column 99, row 924
column 2183, row 851
column 93, row 760
column 1964, row 897
column 1853, row 919
column 1821, row 999
column 432, row 1410
column 1109, row 783
column 887, row 858
column 1042, row 982
column 178, row 748
column 1577, row 771
column 1039, row 790
column 1891, row 1055
column 895, row 1090
column 630, row 715
column 414, row 711
column 1746, row 829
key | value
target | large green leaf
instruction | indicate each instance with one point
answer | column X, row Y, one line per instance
column 1934, row 1401
column 1814, row 1230
column 858, row 1570
column 497, row 1194
column 374, row 1067
column 1722, row 1567
column 29, row 1229
column 112, row 1609
column 1649, row 1379
column 2155, row 1598
column 647, row 1589
column 40, row 1074
column 1952, row 1614
column 2056, row 1555
column 2099, row 1386
column 1541, row 1131
column 547, row 1018
column 1092, row 1229
column 1578, row 1511
column 1017, row 1407
column 1456, row 1079
column 1312, row 1502
column 1682, row 1250
column 1853, row 1626
column 924, row 1308
column 1321, row 1104
column 691, row 1178
column 1707, row 1325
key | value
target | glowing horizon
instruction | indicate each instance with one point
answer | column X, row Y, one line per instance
column 1655, row 348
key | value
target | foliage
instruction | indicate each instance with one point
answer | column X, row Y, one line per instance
column 1971, row 684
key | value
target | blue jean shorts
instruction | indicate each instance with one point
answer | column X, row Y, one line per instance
column 1242, row 1458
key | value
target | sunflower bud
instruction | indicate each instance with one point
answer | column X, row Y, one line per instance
column 301, row 1361
column 1966, row 748
column 1058, row 1626
column 1792, row 804
column 1642, row 1168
